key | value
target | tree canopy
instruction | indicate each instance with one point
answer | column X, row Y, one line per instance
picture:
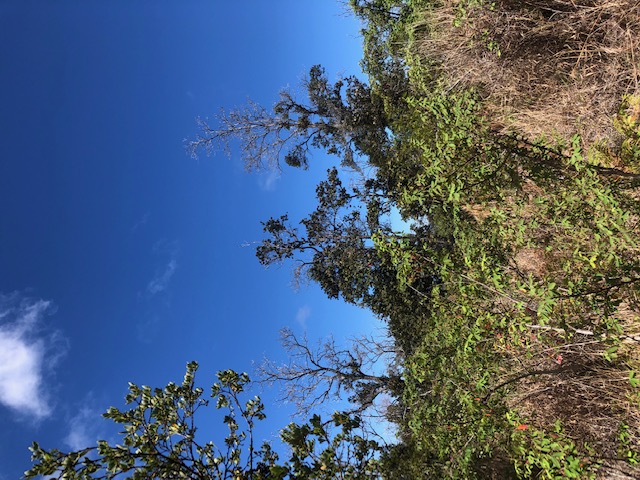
column 160, row 440
column 314, row 375
column 335, row 246
column 513, row 302
column 345, row 119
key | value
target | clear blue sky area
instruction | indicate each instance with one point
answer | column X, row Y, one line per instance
column 121, row 258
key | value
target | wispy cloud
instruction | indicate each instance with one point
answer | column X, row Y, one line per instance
column 141, row 222
column 84, row 428
column 148, row 328
column 160, row 281
column 269, row 180
column 24, row 352
column 302, row 314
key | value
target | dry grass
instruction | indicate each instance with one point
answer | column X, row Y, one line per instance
column 556, row 68
column 592, row 397
column 545, row 67
column 563, row 372
column 531, row 261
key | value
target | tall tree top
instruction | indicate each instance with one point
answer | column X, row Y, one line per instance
column 343, row 118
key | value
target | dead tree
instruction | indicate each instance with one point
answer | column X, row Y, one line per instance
column 361, row 374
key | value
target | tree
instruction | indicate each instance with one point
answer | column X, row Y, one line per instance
column 335, row 248
column 345, row 119
column 345, row 247
column 384, row 36
column 160, row 441
column 315, row 375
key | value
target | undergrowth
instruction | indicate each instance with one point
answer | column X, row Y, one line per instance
column 530, row 366
column 544, row 67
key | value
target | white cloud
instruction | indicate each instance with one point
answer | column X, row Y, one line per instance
column 84, row 429
column 161, row 281
column 302, row 315
column 268, row 180
column 148, row 329
column 24, row 352
column 141, row 223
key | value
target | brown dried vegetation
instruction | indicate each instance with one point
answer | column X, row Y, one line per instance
column 568, row 294
column 544, row 67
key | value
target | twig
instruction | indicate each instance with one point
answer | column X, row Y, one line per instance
column 579, row 331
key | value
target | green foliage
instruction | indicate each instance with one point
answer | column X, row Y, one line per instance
column 520, row 276
column 332, row 247
column 345, row 119
column 452, row 412
column 346, row 455
column 627, row 122
column 159, row 440
column 549, row 455
column 626, row 449
column 335, row 248
column 498, row 196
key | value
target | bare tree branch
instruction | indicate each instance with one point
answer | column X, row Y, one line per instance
column 344, row 119
column 324, row 372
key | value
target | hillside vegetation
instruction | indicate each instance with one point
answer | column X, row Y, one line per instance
column 508, row 133
column 521, row 126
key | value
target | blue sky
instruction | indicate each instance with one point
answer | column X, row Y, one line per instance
column 121, row 258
